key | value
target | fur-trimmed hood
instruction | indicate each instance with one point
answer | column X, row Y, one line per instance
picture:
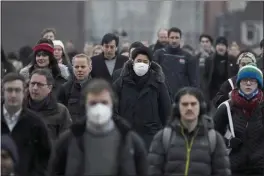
column 63, row 69
column 155, row 71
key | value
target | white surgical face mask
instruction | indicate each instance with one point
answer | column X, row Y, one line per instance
column 140, row 68
column 99, row 113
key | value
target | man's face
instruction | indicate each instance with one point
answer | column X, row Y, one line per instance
column 109, row 49
column 175, row 39
column 205, row 44
column 189, row 108
column 13, row 93
column 7, row 164
column 103, row 97
column 49, row 35
column 163, row 37
column 81, row 68
column 38, row 87
column 221, row 49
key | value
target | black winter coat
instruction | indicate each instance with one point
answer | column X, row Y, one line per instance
column 116, row 74
column 100, row 69
column 223, row 93
column 231, row 69
column 70, row 95
column 199, row 161
column 147, row 108
column 34, row 146
column 249, row 157
column 133, row 156
column 179, row 67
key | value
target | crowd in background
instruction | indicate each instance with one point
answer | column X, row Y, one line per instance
column 131, row 108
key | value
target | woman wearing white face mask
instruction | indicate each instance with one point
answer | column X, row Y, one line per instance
column 143, row 96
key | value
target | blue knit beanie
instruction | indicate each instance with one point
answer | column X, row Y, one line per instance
column 250, row 71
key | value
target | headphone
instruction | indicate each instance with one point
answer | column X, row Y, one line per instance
column 192, row 91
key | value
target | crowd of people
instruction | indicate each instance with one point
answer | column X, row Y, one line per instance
column 132, row 109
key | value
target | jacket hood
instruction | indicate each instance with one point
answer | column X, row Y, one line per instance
column 64, row 71
column 155, row 70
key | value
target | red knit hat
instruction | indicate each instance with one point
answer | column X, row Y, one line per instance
column 43, row 47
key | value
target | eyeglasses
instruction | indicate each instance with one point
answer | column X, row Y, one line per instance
column 10, row 90
column 32, row 84
column 249, row 80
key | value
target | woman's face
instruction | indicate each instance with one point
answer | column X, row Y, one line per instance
column 245, row 61
column 58, row 51
column 42, row 59
column 248, row 85
column 97, row 52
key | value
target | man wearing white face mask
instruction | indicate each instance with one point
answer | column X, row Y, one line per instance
column 143, row 95
column 101, row 144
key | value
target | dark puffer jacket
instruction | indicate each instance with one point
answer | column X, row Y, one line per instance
column 146, row 105
column 193, row 160
column 223, row 93
column 249, row 156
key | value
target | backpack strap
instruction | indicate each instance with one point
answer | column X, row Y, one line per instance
column 230, row 120
column 231, row 83
column 166, row 136
column 212, row 140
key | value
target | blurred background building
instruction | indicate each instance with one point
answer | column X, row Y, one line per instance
column 88, row 21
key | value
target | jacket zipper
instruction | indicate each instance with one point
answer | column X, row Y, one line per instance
column 188, row 149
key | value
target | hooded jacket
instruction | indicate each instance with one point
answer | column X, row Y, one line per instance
column 188, row 158
column 64, row 71
column 145, row 104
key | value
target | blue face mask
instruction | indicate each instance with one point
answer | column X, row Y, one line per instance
column 249, row 96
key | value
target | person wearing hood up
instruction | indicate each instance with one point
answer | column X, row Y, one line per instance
column 143, row 95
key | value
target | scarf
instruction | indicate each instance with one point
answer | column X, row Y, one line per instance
column 141, row 81
column 247, row 106
column 47, row 106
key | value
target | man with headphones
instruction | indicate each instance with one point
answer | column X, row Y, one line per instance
column 189, row 145
column 101, row 144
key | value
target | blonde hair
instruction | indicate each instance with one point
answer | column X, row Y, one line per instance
column 234, row 44
column 96, row 47
column 89, row 60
